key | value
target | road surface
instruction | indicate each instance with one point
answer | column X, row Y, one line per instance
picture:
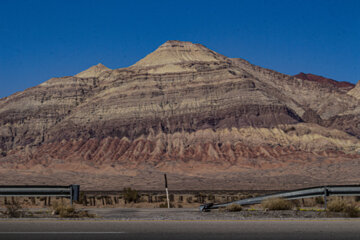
column 186, row 229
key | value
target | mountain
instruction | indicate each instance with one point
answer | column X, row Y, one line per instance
column 209, row 121
column 93, row 72
column 325, row 81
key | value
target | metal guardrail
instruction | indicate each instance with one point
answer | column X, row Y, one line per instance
column 340, row 190
column 71, row 191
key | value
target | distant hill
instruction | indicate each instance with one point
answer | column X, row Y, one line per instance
column 209, row 121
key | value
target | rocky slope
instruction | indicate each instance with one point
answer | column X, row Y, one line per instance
column 355, row 92
column 186, row 110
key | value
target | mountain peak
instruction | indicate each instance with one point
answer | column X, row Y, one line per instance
column 100, row 65
column 175, row 52
column 93, row 71
column 176, row 43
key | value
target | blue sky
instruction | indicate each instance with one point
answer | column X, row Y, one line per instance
column 44, row 39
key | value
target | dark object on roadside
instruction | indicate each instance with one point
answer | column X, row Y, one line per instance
column 206, row 207
column 319, row 200
column 130, row 195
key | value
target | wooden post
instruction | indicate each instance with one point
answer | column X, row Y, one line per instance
column 167, row 192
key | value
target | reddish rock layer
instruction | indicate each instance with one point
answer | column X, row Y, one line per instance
column 326, row 81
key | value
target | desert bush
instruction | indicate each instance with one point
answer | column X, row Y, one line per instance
column 57, row 207
column 211, row 197
column 319, row 200
column 65, row 211
column 244, row 196
column 336, row 205
column 234, row 208
column 85, row 214
column 339, row 205
column 14, row 210
column 164, row 205
column 130, row 195
column 295, row 203
column 70, row 212
column 276, row 204
column 352, row 211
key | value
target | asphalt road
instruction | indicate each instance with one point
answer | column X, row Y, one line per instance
column 140, row 229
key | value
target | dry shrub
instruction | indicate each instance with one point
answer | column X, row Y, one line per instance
column 276, row 204
column 234, row 208
column 339, row 205
column 130, row 195
column 57, row 207
column 295, row 203
column 352, row 211
column 14, row 210
column 336, row 205
column 165, row 205
column 65, row 211
column 319, row 200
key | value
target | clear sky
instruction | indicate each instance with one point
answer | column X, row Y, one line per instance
column 44, row 39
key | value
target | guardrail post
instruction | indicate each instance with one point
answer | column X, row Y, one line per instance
column 74, row 193
column 326, row 193
column 71, row 195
